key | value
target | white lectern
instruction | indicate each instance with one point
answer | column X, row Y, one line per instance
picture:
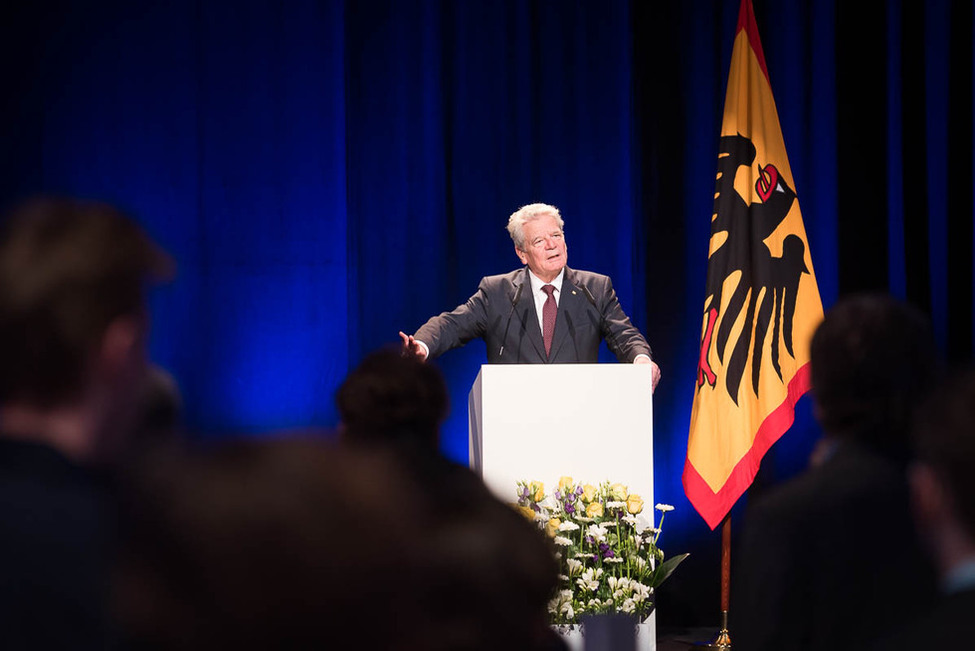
column 592, row 422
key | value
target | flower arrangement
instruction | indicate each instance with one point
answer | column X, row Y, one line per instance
column 608, row 557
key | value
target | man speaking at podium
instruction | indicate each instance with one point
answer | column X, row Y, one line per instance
column 544, row 313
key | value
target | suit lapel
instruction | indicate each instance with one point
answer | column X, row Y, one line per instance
column 528, row 317
column 568, row 308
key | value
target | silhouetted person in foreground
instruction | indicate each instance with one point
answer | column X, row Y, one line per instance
column 292, row 543
column 478, row 546
column 73, row 326
column 943, row 498
column 286, row 543
column 828, row 561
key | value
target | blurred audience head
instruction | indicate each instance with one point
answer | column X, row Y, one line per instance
column 282, row 543
column 942, row 478
column 873, row 361
column 73, row 319
column 294, row 543
column 394, row 399
column 490, row 576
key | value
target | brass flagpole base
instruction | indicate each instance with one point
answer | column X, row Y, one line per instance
column 721, row 641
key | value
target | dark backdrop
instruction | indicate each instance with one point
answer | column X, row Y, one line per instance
column 327, row 173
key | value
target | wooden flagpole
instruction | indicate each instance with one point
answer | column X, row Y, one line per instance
column 722, row 640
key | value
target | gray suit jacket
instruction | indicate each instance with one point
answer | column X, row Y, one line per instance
column 502, row 312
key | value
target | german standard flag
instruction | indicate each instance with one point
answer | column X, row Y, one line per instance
column 762, row 302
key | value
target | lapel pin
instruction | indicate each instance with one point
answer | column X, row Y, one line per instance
column 573, row 292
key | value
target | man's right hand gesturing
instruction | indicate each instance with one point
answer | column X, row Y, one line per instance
column 412, row 347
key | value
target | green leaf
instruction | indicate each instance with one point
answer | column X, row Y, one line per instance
column 663, row 571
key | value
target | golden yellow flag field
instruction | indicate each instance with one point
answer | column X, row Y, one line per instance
column 762, row 302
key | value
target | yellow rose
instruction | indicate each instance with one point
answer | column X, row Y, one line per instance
column 565, row 484
column 553, row 526
column 634, row 503
column 594, row 510
column 538, row 491
column 588, row 493
column 619, row 492
column 527, row 512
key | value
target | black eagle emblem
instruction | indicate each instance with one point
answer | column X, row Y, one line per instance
column 767, row 286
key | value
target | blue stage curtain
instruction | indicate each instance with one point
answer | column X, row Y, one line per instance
column 327, row 173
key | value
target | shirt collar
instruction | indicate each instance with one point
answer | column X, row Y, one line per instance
column 537, row 282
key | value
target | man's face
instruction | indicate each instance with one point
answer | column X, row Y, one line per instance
column 545, row 252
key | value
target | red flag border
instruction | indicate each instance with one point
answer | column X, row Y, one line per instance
column 714, row 506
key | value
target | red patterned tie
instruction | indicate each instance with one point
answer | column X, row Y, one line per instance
column 549, row 310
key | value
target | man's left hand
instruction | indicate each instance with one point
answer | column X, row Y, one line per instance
column 655, row 371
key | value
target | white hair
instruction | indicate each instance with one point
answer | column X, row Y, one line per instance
column 525, row 214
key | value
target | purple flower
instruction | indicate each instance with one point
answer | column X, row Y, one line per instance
column 569, row 508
